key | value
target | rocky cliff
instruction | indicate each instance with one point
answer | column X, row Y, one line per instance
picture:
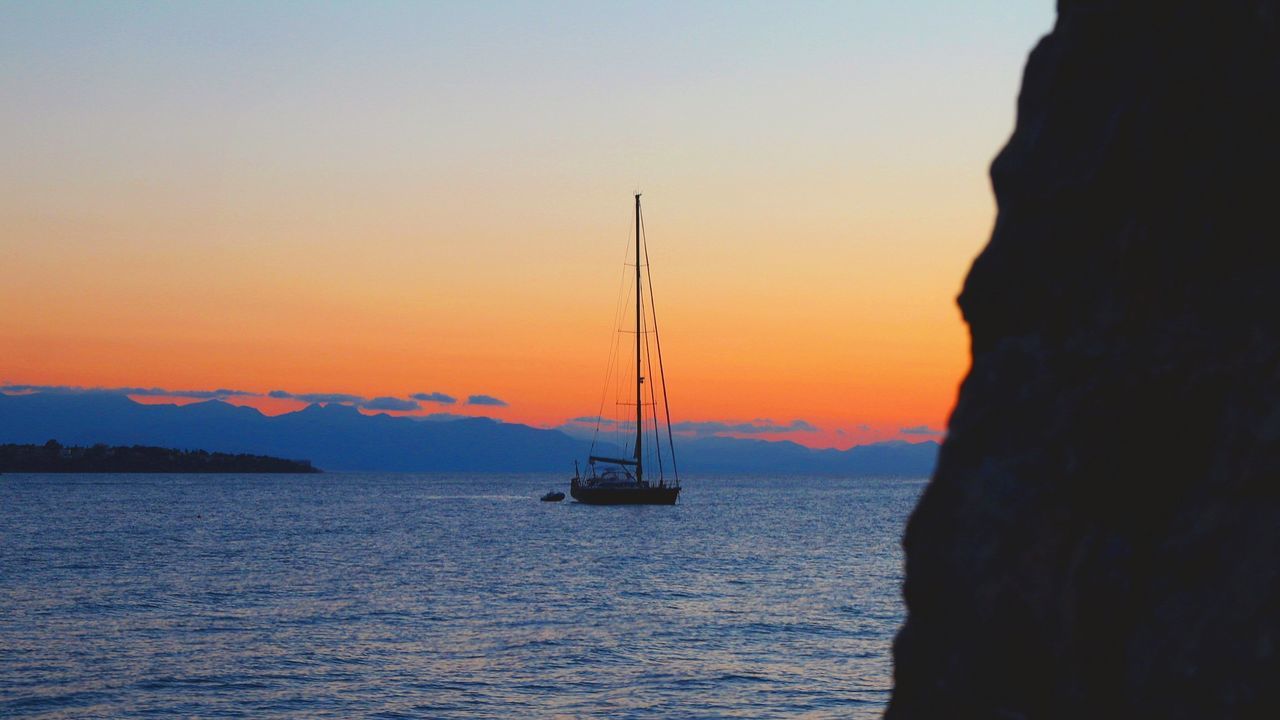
column 1102, row 535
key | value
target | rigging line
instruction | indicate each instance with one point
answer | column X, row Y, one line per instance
column 618, row 310
column 662, row 375
column 653, row 401
column 621, row 370
column 648, row 358
column 609, row 364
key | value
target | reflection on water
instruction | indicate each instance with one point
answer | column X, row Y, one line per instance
column 445, row 596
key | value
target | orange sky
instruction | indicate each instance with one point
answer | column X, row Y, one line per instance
column 401, row 218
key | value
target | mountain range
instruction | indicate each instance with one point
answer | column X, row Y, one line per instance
column 339, row 437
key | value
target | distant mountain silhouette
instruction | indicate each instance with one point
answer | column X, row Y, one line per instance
column 338, row 437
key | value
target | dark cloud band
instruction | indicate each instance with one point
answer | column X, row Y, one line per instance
column 391, row 404
column 919, row 430
column 343, row 398
column 218, row 394
column 762, row 426
column 412, row 403
column 435, row 397
column 486, row 400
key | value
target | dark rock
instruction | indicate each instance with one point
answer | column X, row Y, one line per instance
column 1102, row 535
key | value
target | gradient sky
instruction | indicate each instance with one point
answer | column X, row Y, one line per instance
column 383, row 199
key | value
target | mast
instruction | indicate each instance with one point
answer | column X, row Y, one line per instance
column 639, row 339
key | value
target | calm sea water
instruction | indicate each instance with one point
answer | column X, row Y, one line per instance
column 390, row 596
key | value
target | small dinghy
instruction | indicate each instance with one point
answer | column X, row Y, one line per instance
column 553, row 496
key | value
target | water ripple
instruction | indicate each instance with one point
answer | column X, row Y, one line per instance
column 408, row 596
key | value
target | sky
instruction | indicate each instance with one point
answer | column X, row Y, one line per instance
column 381, row 200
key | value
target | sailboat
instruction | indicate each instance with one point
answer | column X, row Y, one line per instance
column 627, row 480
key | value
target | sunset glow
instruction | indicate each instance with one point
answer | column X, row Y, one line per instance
column 437, row 199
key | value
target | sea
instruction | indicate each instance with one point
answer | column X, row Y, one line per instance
column 446, row 596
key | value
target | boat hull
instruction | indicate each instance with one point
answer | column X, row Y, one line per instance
column 625, row 495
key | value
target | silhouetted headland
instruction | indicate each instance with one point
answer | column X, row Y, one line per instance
column 52, row 457
column 1100, row 538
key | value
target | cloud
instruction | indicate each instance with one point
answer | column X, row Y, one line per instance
column 759, row 426
column 586, row 426
column 435, row 397
column 218, row 394
column 446, row 417
column 485, row 400
column 316, row 397
column 140, row 391
column 919, row 430
column 392, row 404
column 47, row 389
column 603, row 422
column 385, row 403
